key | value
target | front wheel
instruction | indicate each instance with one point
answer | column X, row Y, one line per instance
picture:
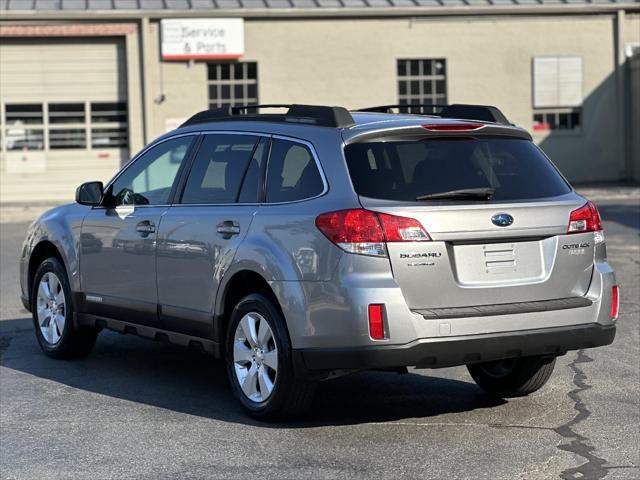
column 514, row 377
column 53, row 314
column 259, row 365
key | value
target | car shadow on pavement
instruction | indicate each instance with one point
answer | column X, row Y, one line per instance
column 169, row 377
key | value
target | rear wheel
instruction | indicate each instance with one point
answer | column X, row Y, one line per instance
column 259, row 365
column 53, row 314
column 512, row 377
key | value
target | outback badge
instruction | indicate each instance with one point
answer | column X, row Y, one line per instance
column 502, row 219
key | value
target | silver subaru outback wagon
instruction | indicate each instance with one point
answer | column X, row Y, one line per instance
column 302, row 245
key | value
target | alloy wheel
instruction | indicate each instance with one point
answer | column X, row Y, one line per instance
column 255, row 357
column 51, row 308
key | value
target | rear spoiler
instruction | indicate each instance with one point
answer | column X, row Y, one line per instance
column 485, row 113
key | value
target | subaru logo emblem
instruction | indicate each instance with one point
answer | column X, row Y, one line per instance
column 502, row 219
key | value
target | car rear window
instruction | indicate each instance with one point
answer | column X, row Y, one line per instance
column 405, row 170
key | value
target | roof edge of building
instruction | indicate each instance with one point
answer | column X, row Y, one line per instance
column 317, row 12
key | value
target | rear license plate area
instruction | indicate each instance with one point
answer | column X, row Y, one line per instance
column 495, row 263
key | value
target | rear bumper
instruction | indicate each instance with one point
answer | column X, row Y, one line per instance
column 460, row 350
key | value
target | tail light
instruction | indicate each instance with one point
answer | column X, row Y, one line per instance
column 376, row 321
column 615, row 302
column 585, row 219
column 365, row 232
column 402, row 229
column 452, row 127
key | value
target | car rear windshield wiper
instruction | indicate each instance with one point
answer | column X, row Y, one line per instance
column 464, row 194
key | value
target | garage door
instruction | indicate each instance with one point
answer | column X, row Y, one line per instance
column 64, row 116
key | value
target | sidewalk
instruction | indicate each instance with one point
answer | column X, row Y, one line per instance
column 21, row 213
column 609, row 192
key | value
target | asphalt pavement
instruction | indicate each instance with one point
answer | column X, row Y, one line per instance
column 140, row 409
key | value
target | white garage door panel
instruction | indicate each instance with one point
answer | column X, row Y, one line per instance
column 41, row 71
column 64, row 70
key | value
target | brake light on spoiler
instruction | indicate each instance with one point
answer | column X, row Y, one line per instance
column 452, row 127
column 365, row 232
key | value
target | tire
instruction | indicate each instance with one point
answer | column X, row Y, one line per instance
column 288, row 397
column 514, row 377
column 58, row 338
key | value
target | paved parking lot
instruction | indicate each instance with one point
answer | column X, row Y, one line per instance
column 139, row 409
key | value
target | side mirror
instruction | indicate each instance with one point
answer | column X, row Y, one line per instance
column 90, row 193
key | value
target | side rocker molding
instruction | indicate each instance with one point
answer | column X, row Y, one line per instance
column 180, row 339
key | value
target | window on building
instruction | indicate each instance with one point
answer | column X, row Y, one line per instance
column 25, row 113
column 67, row 126
column 66, row 113
column 557, row 93
column 108, row 112
column 70, row 138
column 64, row 126
column 24, row 126
column 109, row 125
column 422, row 82
column 232, row 84
column 557, row 119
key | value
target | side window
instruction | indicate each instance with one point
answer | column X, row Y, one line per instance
column 292, row 173
column 218, row 169
column 250, row 192
column 148, row 181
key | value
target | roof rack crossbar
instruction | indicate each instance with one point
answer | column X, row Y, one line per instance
column 336, row 117
column 486, row 113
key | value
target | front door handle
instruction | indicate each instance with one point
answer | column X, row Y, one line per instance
column 228, row 227
column 145, row 228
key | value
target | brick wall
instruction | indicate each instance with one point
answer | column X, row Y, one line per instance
column 70, row 30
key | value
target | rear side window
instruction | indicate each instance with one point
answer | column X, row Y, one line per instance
column 218, row 169
column 292, row 173
column 403, row 171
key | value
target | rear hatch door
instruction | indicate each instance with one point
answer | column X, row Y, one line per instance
column 508, row 246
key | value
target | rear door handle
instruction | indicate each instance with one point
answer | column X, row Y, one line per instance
column 228, row 227
column 145, row 227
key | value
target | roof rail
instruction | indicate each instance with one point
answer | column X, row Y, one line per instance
column 485, row 113
column 337, row 117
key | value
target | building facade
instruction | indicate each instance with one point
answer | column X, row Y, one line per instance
column 84, row 84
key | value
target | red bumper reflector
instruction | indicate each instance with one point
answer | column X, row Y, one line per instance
column 615, row 302
column 376, row 321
